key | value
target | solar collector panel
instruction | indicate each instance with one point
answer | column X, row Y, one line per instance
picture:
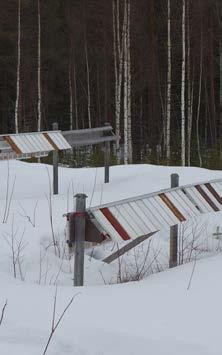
column 170, row 217
column 19, row 143
column 39, row 146
column 204, row 204
column 219, row 188
column 211, row 196
column 149, row 215
column 59, row 140
column 134, row 222
column 180, row 204
column 106, row 225
column 187, row 201
column 29, row 144
column 124, row 221
column 146, row 225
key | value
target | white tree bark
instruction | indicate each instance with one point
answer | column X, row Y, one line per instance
column 189, row 90
column 18, row 68
column 117, row 118
column 39, row 125
column 220, row 54
column 183, row 147
column 88, row 84
column 221, row 95
column 75, row 94
column 70, row 96
column 118, row 42
column 199, row 98
column 129, row 128
column 169, row 74
column 125, row 88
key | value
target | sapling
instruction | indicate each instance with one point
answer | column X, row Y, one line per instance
column 55, row 324
column 17, row 246
column 9, row 195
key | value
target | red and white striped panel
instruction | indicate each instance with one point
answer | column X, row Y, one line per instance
column 132, row 218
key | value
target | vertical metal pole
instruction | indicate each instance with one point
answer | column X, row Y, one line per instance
column 173, row 230
column 55, row 127
column 106, row 160
column 80, row 224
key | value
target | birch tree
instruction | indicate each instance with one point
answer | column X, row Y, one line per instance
column 129, row 128
column 118, row 41
column 39, row 125
column 75, row 93
column 70, row 96
column 88, row 80
column 190, row 86
column 199, row 97
column 219, row 12
column 169, row 68
column 18, row 68
column 125, row 85
column 183, row 82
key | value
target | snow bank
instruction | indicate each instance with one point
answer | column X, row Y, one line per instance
column 156, row 316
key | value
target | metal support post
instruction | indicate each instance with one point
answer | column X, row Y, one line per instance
column 173, row 229
column 80, row 226
column 107, row 159
column 55, row 165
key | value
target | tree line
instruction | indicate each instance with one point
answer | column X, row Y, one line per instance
column 151, row 68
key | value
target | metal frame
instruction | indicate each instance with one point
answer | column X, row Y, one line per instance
column 136, row 198
column 33, row 144
column 91, row 136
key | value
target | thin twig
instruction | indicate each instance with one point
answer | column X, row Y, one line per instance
column 191, row 276
column 55, row 325
column 3, row 312
column 94, row 186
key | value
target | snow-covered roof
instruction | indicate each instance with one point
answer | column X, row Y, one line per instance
column 132, row 218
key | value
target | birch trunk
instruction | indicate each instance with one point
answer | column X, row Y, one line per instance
column 88, row 84
column 75, row 93
column 199, row 98
column 98, row 96
column 18, row 68
column 117, row 121
column 183, row 148
column 169, row 69
column 39, row 71
column 125, row 88
column 118, row 42
column 141, row 130
column 129, row 123
column 220, row 125
column 189, row 89
column 70, row 97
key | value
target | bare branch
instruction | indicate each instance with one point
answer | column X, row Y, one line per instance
column 55, row 325
column 3, row 312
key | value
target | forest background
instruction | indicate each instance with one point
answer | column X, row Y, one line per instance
column 151, row 68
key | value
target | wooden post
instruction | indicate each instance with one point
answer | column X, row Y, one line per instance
column 173, row 229
column 55, row 165
column 106, row 160
column 80, row 224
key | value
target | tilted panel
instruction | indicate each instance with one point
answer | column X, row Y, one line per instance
column 59, row 140
column 35, row 143
column 135, row 217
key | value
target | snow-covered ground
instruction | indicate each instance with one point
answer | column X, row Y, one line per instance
column 157, row 315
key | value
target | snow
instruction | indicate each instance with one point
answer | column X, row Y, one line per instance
column 157, row 315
